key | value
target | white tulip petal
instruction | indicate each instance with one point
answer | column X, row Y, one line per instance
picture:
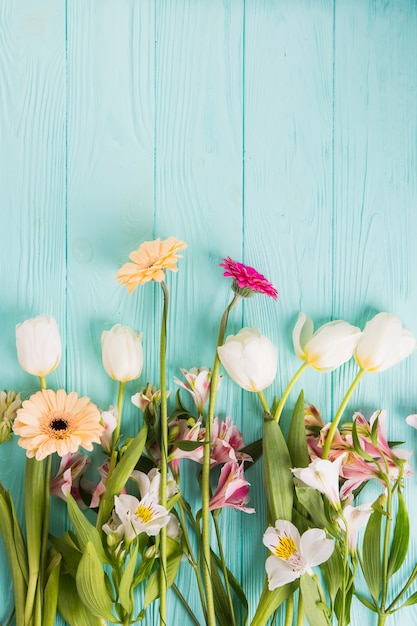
column 302, row 333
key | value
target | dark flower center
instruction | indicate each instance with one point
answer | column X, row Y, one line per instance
column 58, row 424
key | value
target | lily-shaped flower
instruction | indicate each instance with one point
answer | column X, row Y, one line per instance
column 140, row 516
column 109, row 420
column 150, row 483
column 67, row 478
column 148, row 397
column 198, row 379
column 227, row 441
column 185, row 431
column 384, row 343
column 250, row 359
column 292, row 555
column 355, row 517
column 232, row 490
column 322, row 475
column 327, row 348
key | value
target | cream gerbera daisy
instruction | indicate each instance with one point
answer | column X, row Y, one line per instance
column 149, row 262
column 57, row 422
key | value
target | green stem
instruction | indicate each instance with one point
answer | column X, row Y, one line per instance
column 223, row 565
column 120, row 397
column 205, row 481
column 164, row 458
column 264, row 403
column 386, row 548
column 289, row 611
column 335, row 423
column 277, row 412
column 300, row 610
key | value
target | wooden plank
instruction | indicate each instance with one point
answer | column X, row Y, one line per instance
column 375, row 202
column 32, row 214
column 287, row 205
column 199, row 195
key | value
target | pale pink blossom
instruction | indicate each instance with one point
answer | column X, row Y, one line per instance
column 355, row 517
column 148, row 397
column 322, row 475
column 68, row 476
column 109, row 420
column 199, row 382
column 187, row 433
column 232, row 489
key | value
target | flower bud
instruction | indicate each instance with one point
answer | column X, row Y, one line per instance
column 122, row 353
column 250, row 358
column 38, row 344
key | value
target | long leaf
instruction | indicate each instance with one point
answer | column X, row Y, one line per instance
column 74, row 612
column 278, row 481
column 333, row 571
column 86, row 532
column 125, row 587
column 221, row 603
column 297, row 441
column 71, row 554
column 174, row 554
column 91, row 585
column 401, row 538
column 316, row 615
column 270, row 601
column 51, row 591
column 121, row 474
column 234, row 583
column 371, row 555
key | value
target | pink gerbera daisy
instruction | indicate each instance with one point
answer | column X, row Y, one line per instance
column 247, row 280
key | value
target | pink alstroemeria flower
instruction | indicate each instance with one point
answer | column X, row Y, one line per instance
column 199, row 381
column 246, row 280
column 227, row 441
column 109, row 420
column 232, row 490
column 68, row 476
column 355, row 517
column 147, row 397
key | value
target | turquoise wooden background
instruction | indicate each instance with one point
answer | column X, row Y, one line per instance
column 280, row 132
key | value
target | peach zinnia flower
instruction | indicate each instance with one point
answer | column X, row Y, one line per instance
column 149, row 262
column 57, row 422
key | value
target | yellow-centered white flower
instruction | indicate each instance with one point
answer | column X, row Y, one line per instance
column 38, row 344
column 327, row 348
column 384, row 343
column 122, row 353
column 250, row 359
column 292, row 555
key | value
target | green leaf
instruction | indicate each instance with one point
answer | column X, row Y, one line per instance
column 74, row 612
column 71, row 554
column 86, row 532
column 369, row 605
column 371, row 555
column 315, row 611
column 270, row 601
column 312, row 502
column 333, row 571
column 254, row 450
column 222, row 609
column 125, row 587
column 189, row 446
column 297, row 440
column 174, row 555
column 91, row 585
column 278, row 480
column 51, row 591
column 234, row 584
column 401, row 538
column 410, row 601
column 121, row 474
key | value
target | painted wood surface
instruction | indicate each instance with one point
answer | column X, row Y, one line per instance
column 280, row 132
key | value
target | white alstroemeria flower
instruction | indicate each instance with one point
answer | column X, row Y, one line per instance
column 327, row 348
column 122, row 353
column 384, row 343
column 412, row 420
column 322, row 475
column 292, row 555
column 38, row 344
column 150, row 483
column 140, row 516
column 250, row 358
column 356, row 517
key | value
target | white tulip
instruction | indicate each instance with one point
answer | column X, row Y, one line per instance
column 329, row 347
column 122, row 353
column 384, row 343
column 250, row 358
column 38, row 344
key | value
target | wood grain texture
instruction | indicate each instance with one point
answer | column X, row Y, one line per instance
column 280, row 132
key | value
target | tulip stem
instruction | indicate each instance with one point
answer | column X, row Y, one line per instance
column 264, row 402
column 120, row 397
column 335, row 423
column 164, row 458
column 42, row 381
column 205, row 480
column 277, row 413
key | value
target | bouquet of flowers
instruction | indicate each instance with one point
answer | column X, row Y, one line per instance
column 131, row 532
